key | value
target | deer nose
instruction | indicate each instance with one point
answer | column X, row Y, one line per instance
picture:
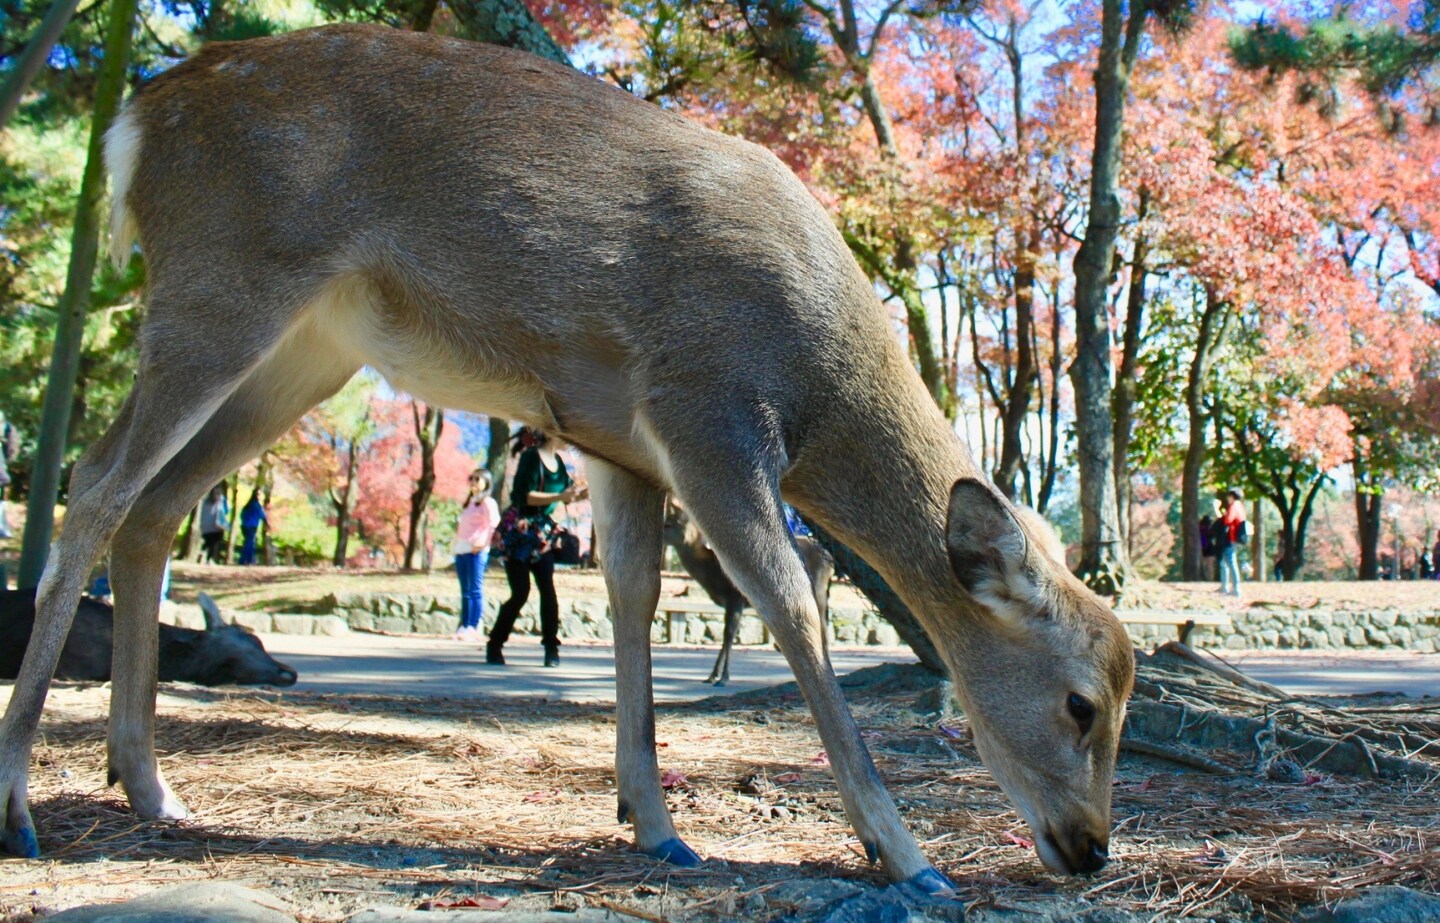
column 1095, row 857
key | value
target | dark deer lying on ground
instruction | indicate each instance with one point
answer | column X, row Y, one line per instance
column 701, row 562
column 496, row 233
column 221, row 655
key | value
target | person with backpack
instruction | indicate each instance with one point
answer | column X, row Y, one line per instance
column 1236, row 533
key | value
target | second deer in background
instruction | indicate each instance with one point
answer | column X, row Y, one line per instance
column 701, row 563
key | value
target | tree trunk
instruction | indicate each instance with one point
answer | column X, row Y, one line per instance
column 265, row 486
column 427, row 431
column 1017, row 402
column 423, row 15
column 341, row 502
column 70, row 311
column 37, row 50
column 508, row 23
column 1213, row 326
column 231, row 525
column 1259, row 566
column 1047, row 483
column 1367, row 517
column 190, row 536
column 1103, row 561
column 1126, row 385
column 1302, row 526
column 495, row 457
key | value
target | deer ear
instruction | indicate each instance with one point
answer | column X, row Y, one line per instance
column 213, row 621
column 988, row 549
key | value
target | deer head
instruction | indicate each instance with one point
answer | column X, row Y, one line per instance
column 1044, row 681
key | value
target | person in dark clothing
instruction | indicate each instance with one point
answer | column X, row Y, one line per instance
column 541, row 484
column 214, row 520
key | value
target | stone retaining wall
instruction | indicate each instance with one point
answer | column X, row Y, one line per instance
column 1317, row 630
column 588, row 618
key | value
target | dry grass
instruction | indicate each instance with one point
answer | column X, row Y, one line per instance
column 339, row 802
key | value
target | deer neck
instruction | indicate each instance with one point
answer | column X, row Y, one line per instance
column 877, row 476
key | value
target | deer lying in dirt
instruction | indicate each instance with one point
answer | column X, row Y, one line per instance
column 500, row 234
column 701, row 562
column 221, row 655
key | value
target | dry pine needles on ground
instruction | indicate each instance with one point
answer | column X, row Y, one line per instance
column 340, row 802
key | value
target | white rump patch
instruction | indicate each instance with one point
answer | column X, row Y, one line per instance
column 122, row 156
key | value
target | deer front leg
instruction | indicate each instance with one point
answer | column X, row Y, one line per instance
column 747, row 532
column 628, row 518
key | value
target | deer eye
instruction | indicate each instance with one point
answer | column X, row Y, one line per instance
column 1082, row 710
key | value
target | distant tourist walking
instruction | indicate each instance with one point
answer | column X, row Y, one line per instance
column 252, row 515
column 1236, row 534
column 214, row 520
column 541, row 484
column 1435, row 556
column 479, row 515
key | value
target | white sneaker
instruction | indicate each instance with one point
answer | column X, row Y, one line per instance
column 466, row 634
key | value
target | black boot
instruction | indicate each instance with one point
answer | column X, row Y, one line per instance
column 552, row 655
column 493, row 655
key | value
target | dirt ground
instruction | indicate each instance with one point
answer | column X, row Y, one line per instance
column 339, row 803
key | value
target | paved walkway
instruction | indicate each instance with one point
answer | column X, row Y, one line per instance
column 412, row 665
column 1342, row 673
column 409, row 665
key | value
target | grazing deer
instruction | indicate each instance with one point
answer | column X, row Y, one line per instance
column 221, row 655
column 701, row 562
column 500, row 234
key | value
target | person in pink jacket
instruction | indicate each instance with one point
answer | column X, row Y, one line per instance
column 479, row 516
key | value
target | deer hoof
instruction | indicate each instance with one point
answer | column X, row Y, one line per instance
column 675, row 852
column 932, row 882
column 872, row 852
column 152, row 799
column 21, row 842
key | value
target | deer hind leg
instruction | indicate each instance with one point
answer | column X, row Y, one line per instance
column 736, row 501
column 721, row 674
column 629, row 515
column 821, row 583
column 732, row 631
column 287, row 384
column 17, row 832
column 181, row 382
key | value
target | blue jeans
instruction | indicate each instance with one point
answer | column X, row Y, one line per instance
column 247, row 547
column 1230, row 568
column 470, row 568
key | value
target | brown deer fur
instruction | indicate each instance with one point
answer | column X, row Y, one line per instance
column 496, row 233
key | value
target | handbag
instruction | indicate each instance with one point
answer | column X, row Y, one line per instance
column 524, row 538
column 566, row 545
